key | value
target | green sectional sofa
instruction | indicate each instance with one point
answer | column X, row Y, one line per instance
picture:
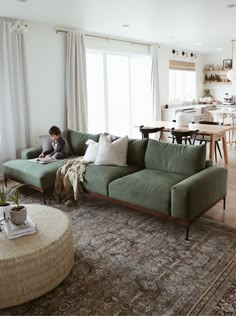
column 169, row 180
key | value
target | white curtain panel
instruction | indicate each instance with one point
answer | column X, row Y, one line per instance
column 156, row 107
column 14, row 122
column 76, row 83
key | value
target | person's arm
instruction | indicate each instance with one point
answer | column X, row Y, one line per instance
column 47, row 152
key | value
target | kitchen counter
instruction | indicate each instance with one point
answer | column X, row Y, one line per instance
column 198, row 112
column 186, row 107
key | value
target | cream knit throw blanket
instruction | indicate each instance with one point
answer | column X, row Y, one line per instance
column 68, row 178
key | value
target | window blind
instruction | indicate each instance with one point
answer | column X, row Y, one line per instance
column 181, row 65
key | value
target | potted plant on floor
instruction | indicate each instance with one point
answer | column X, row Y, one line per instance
column 18, row 213
column 4, row 205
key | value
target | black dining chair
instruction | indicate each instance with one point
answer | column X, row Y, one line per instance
column 179, row 136
column 206, row 139
column 187, row 138
column 145, row 130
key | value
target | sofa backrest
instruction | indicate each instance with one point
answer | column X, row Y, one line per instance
column 136, row 152
column 77, row 141
column 182, row 159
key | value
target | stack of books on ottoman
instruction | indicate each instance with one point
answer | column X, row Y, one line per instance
column 14, row 231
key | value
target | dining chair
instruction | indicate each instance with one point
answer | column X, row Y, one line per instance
column 180, row 136
column 145, row 130
column 205, row 138
column 185, row 139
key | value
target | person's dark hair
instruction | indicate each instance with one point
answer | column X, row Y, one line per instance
column 54, row 130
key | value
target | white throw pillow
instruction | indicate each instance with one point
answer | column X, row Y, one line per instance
column 91, row 151
column 112, row 153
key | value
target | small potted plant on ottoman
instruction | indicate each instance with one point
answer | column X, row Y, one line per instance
column 18, row 213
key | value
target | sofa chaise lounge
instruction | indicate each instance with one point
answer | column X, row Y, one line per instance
column 164, row 179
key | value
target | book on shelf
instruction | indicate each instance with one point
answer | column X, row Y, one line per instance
column 43, row 160
column 14, row 231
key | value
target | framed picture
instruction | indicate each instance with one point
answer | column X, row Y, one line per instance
column 227, row 64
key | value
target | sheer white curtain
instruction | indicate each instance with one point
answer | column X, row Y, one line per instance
column 155, row 83
column 14, row 122
column 76, row 83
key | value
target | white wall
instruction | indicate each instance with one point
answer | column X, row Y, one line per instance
column 45, row 53
column 218, row 90
column 45, row 56
column 165, row 54
column 116, row 46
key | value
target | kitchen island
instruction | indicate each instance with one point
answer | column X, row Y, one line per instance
column 197, row 112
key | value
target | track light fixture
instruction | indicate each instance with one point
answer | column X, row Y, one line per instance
column 175, row 52
column 193, row 56
column 184, row 54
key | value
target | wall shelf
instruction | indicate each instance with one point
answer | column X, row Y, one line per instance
column 217, row 82
column 216, row 76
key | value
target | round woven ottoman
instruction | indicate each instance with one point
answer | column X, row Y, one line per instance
column 32, row 265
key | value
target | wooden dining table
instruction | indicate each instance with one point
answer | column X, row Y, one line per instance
column 213, row 131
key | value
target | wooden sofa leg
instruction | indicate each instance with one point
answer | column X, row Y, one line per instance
column 44, row 198
column 224, row 203
column 187, row 232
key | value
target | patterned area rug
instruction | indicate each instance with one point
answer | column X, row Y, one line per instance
column 132, row 263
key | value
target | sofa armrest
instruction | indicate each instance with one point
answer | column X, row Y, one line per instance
column 195, row 194
column 209, row 163
column 32, row 152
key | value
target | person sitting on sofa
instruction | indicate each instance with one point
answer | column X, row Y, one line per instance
column 59, row 148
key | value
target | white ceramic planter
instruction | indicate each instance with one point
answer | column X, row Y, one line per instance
column 18, row 216
column 5, row 209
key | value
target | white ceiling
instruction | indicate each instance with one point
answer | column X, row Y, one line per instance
column 210, row 22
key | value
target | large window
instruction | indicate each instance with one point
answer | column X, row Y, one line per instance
column 182, row 82
column 118, row 92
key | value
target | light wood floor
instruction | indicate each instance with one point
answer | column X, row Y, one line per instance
column 229, row 215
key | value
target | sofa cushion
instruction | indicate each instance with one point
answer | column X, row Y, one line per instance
column 136, row 152
column 46, row 142
column 112, row 153
column 65, row 135
column 39, row 175
column 147, row 188
column 78, row 141
column 98, row 177
column 183, row 159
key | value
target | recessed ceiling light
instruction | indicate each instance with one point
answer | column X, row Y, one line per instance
column 219, row 48
column 199, row 44
column 125, row 25
column 171, row 36
column 23, row 0
column 232, row 5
